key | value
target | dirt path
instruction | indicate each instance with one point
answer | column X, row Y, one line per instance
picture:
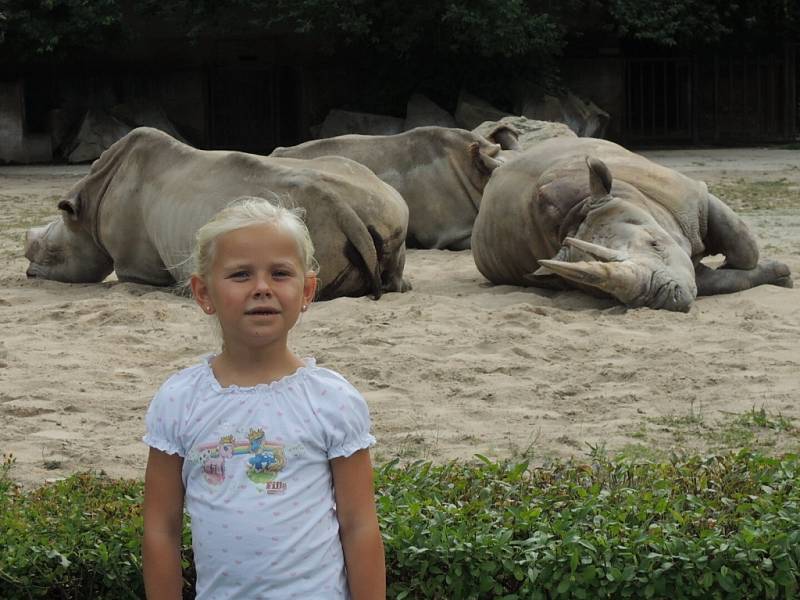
column 453, row 368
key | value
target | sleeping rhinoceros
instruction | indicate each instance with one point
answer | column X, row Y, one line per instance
column 440, row 172
column 582, row 212
column 138, row 209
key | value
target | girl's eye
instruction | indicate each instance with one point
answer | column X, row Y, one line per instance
column 239, row 275
column 282, row 274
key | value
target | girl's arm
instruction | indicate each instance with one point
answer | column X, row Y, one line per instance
column 358, row 526
column 163, row 524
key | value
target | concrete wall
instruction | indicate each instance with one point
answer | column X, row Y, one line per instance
column 62, row 98
column 15, row 145
column 184, row 96
column 601, row 80
column 12, row 117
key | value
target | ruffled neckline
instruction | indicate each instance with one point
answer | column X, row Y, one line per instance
column 309, row 363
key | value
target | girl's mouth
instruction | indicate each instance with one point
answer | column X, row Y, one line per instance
column 262, row 311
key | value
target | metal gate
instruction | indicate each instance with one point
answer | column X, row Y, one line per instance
column 658, row 99
column 744, row 99
column 716, row 99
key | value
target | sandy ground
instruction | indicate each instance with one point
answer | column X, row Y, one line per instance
column 454, row 368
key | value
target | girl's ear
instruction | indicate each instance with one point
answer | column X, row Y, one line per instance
column 201, row 294
column 309, row 287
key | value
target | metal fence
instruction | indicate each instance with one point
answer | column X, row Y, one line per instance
column 716, row 99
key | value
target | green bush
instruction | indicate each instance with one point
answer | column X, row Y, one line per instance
column 79, row 538
column 718, row 527
column 715, row 527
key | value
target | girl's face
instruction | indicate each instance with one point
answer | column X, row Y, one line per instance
column 257, row 286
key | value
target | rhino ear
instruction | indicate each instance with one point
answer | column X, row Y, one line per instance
column 482, row 161
column 71, row 206
column 506, row 136
column 599, row 179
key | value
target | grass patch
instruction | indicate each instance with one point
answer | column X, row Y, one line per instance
column 640, row 453
column 760, row 418
column 753, row 429
column 744, row 195
column 33, row 214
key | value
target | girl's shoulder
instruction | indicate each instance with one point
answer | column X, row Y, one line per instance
column 334, row 397
column 328, row 378
column 341, row 411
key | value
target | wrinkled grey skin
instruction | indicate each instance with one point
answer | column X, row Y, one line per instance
column 586, row 213
column 440, row 172
column 140, row 206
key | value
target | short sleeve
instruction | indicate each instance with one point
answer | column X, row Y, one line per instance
column 345, row 419
column 162, row 421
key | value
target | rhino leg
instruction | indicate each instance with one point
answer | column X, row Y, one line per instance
column 728, row 235
column 726, row 280
column 462, row 243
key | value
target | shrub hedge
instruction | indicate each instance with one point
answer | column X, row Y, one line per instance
column 697, row 527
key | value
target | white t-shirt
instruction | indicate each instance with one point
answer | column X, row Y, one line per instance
column 258, row 483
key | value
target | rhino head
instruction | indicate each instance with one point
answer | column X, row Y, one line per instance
column 620, row 249
column 65, row 249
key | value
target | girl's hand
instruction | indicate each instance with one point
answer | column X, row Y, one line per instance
column 358, row 526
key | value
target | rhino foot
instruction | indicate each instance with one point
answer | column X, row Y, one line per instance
column 727, row 280
column 776, row 273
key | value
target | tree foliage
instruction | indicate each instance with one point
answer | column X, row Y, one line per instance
column 438, row 43
column 693, row 23
column 525, row 36
column 46, row 28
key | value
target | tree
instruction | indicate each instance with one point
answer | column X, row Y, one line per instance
column 703, row 23
column 31, row 29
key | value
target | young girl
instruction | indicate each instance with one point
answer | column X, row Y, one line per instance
column 268, row 452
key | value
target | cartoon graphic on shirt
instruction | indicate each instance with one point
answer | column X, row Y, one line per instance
column 226, row 446
column 213, row 467
column 256, row 436
column 265, row 459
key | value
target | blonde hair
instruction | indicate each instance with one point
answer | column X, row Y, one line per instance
column 246, row 212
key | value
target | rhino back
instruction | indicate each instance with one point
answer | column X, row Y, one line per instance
column 160, row 192
column 205, row 182
column 429, row 166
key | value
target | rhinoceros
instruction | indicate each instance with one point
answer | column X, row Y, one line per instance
column 587, row 213
column 440, row 172
column 140, row 206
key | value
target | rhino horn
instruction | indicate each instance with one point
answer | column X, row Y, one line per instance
column 589, row 273
column 625, row 280
column 540, row 272
column 596, row 251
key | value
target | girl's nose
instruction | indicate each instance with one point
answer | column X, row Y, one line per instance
column 262, row 287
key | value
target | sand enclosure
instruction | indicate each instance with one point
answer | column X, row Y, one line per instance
column 453, row 368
